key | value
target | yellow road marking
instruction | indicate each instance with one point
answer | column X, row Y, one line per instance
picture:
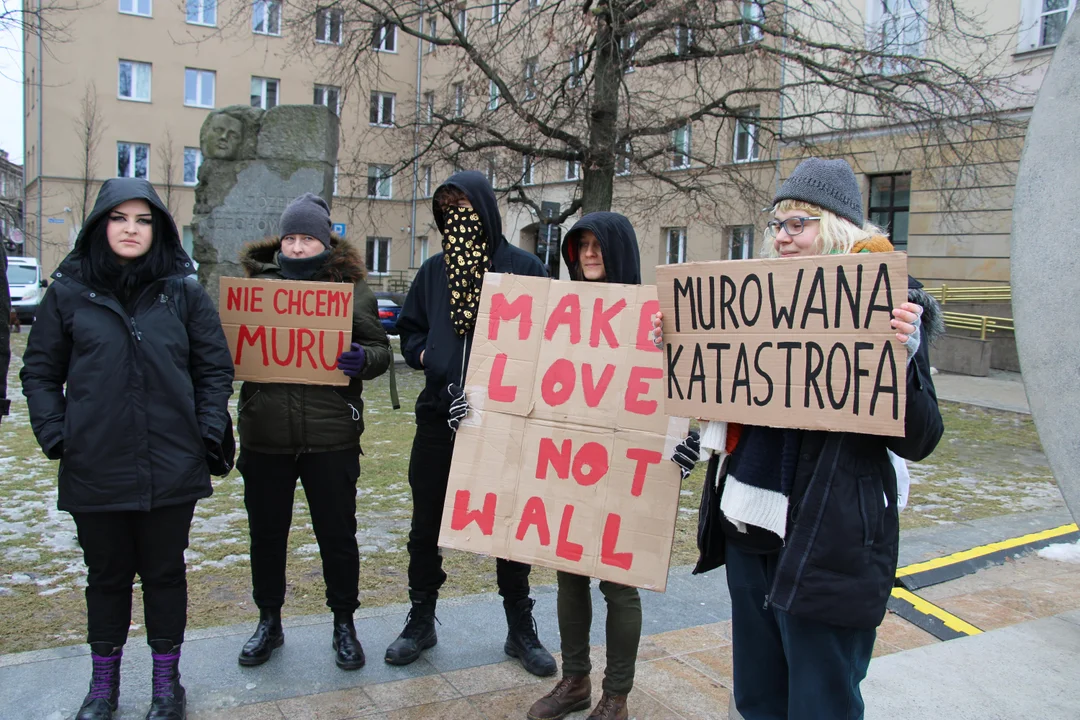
column 928, row 608
column 981, row 550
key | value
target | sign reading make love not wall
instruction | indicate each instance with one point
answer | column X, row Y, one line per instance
column 287, row 331
column 565, row 460
column 790, row 342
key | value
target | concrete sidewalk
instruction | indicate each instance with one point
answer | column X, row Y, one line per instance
column 1000, row 390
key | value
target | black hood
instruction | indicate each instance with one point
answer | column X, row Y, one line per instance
column 618, row 243
column 482, row 196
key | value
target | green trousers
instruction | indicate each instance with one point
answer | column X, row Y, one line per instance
column 623, row 630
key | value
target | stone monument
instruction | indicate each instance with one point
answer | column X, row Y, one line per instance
column 1046, row 268
column 255, row 162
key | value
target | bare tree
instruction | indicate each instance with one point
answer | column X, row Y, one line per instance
column 89, row 125
column 167, row 162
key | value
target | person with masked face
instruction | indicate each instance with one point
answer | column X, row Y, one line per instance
column 436, row 327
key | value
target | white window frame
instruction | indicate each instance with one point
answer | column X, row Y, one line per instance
column 425, row 181
column 684, row 40
column 134, row 8
column 534, row 4
column 897, row 27
column 1029, row 37
column 429, row 107
column 325, row 91
column 493, row 95
column 326, row 17
column 679, row 235
column 384, row 38
column 577, row 67
column 378, row 105
column 623, row 158
column 380, row 174
column 747, row 123
column 382, row 252
column 271, row 12
column 134, row 66
column 202, row 8
column 422, row 248
column 627, row 44
column 459, row 99
column 532, row 69
column 195, row 153
column 133, row 149
column 200, row 77
column 573, row 170
column 491, row 170
column 528, row 169
column 432, row 29
column 496, row 12
column 744, row 234
column 462, row 20
column 264, row 92
column 754, row 11
column 681, row 147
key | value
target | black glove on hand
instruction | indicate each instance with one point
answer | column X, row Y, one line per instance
column 56, row 452
column 215, row 458
column 459, row 406
column 687, row 453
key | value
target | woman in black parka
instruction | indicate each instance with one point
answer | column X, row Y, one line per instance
column 128, row 375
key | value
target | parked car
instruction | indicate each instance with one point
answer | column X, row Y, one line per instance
column 388, row 314
column 397, row 297
column 26, row 287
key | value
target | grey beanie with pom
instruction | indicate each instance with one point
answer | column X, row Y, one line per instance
column 307, row 215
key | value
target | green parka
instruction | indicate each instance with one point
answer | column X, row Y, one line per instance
column 283, row 418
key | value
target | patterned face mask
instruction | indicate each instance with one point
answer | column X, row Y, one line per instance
column 466, row 257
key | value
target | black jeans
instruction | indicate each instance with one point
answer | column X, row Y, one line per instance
column 329, row 480
column 116, row 546
column 429, row 472
column 787, row 667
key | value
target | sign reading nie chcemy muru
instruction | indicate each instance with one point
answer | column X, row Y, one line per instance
column 789, row 342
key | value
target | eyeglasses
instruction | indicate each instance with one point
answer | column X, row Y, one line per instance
column 792, row 226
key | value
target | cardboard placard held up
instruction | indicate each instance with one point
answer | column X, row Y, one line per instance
column 565, row 459
column 790, row 342
column 287, row 331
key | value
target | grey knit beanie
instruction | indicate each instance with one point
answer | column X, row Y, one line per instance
column 829, row 184
column 307, row 215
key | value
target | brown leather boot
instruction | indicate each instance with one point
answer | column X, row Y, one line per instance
column 610, row 707
column 573, row 692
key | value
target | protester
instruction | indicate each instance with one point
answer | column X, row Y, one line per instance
column 311, row 432
column 139, row 428
column 436, row 327
column 5, row 336
column 600, row 247
column 808, row 589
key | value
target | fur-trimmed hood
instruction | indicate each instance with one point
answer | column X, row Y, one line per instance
column 344, row 264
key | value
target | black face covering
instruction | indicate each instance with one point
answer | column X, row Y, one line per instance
column 302, row 268
column 466, row 256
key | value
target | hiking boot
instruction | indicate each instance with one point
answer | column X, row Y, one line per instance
column 350, row 654
column 419, row 632
column 572, row 693
column 168, row 701
column 268, row 636
column 522, row 641
column 104, row 696
column 610, row 707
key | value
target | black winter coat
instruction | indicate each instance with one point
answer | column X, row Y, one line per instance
column 424, row 323
column 129, row 394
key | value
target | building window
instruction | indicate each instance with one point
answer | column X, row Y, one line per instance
column 384, row 37
column 898, row 28
column 192, row 161
column 680, row 138
column 266, row 17
column 684, row 40
column 425, row 181
column 136, row 7
column 493, row 95
column 534, row 4
column 490, row 173
column 573, row 169
column 202, row 12
column 746, row 140
column 496, row 12
column 132, row 160
column 577, row 67
column 890, row 202
column 421, row 249
column 526, row 170
column 627, row 44
column 327, row 95
column 623, row 156
column 675, row 245
column 378, row 255
column 328, row 23
column 432, row 31
column 199, row 88
column 741, row 242
column 134, row 82
column 429, row 107
column 382, row 109
column 264, row 92
column 380, row 184
column 463, row 20
column 752, row 12
column 459, row 99
column 531, row 67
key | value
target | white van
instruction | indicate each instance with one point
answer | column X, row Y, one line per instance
column 26, row 286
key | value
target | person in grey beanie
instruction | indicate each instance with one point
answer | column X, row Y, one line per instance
column 308, row 432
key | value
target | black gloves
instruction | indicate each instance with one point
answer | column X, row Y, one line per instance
column 459, row 406
column 56, row 452
column 687, row 453
column 215, row 458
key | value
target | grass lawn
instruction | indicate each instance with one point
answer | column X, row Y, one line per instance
column 989, row 463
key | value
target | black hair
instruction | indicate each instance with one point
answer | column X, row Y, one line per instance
column 102, row 269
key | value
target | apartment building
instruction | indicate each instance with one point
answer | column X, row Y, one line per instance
column 155, row 69
column 11, row 206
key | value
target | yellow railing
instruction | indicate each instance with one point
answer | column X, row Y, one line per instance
column 990, row 293
column 981, row 323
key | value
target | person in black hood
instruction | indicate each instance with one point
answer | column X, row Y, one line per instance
column 436, row 326
column 127, row 375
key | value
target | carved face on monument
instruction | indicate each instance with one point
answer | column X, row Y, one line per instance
column 223, row 137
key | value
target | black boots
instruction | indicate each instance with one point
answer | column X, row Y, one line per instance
column 168, row 701
column 100, row 703
column 268, row 636
column 522, row 641
column 350, row 654
column 419, row 633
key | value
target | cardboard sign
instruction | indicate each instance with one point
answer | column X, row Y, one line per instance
column 287, row 331
column 790, row 342
column 565, row 459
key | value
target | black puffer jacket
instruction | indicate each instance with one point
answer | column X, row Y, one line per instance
column 424, row 323
column 287, row 418
column 142, row 391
